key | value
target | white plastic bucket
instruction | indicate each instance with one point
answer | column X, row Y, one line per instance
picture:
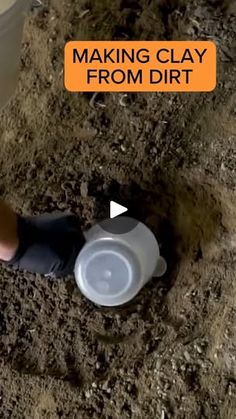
column 121, row 255
column 12, row 17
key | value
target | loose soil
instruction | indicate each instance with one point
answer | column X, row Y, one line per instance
column 171, row 353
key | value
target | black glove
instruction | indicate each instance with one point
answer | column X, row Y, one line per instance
column 48, row 244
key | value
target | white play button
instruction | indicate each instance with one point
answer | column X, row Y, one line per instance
column 116, row 209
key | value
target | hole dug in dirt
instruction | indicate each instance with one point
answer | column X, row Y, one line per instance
column 185, row 216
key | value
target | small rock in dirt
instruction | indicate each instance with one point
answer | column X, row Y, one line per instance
column 88, row 394
column 105, row 386
column 84, row 189
column 174, row 366
column 84, row 13
column 198, row 349
column 232, row 388
column 167, row 386
column 118, row 319
column 187, row 356
column 163, row 414
column 158, row 364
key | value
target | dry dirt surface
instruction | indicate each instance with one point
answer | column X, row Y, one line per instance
column 172, row 159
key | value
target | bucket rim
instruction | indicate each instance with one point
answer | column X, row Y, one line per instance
column 15, row 5
column 17, row 10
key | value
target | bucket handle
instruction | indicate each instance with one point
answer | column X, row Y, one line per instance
column 161, row 268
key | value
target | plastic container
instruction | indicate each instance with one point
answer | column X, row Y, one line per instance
column 12, row 17
column 113, row 267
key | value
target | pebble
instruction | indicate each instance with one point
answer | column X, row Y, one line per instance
column 198, row 349
column 118, row 319
column 187, row 356
column 87, row 394
column 105, row 385
column 174, row 366
column 106, row 388
column 230, row 392
column 158, row 364
column 84, row 189
column 84, row 13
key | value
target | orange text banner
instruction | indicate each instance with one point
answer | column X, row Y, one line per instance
column 123, row 66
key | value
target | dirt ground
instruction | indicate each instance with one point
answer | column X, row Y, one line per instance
column 172, row 159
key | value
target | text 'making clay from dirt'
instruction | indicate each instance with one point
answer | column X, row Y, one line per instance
column 123, row 66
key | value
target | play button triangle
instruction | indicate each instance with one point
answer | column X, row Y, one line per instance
column 116, row 209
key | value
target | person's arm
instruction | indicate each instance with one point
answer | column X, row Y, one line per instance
column 45, row 244
column 9, row 241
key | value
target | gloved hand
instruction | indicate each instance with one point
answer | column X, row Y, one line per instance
column 48, row 244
